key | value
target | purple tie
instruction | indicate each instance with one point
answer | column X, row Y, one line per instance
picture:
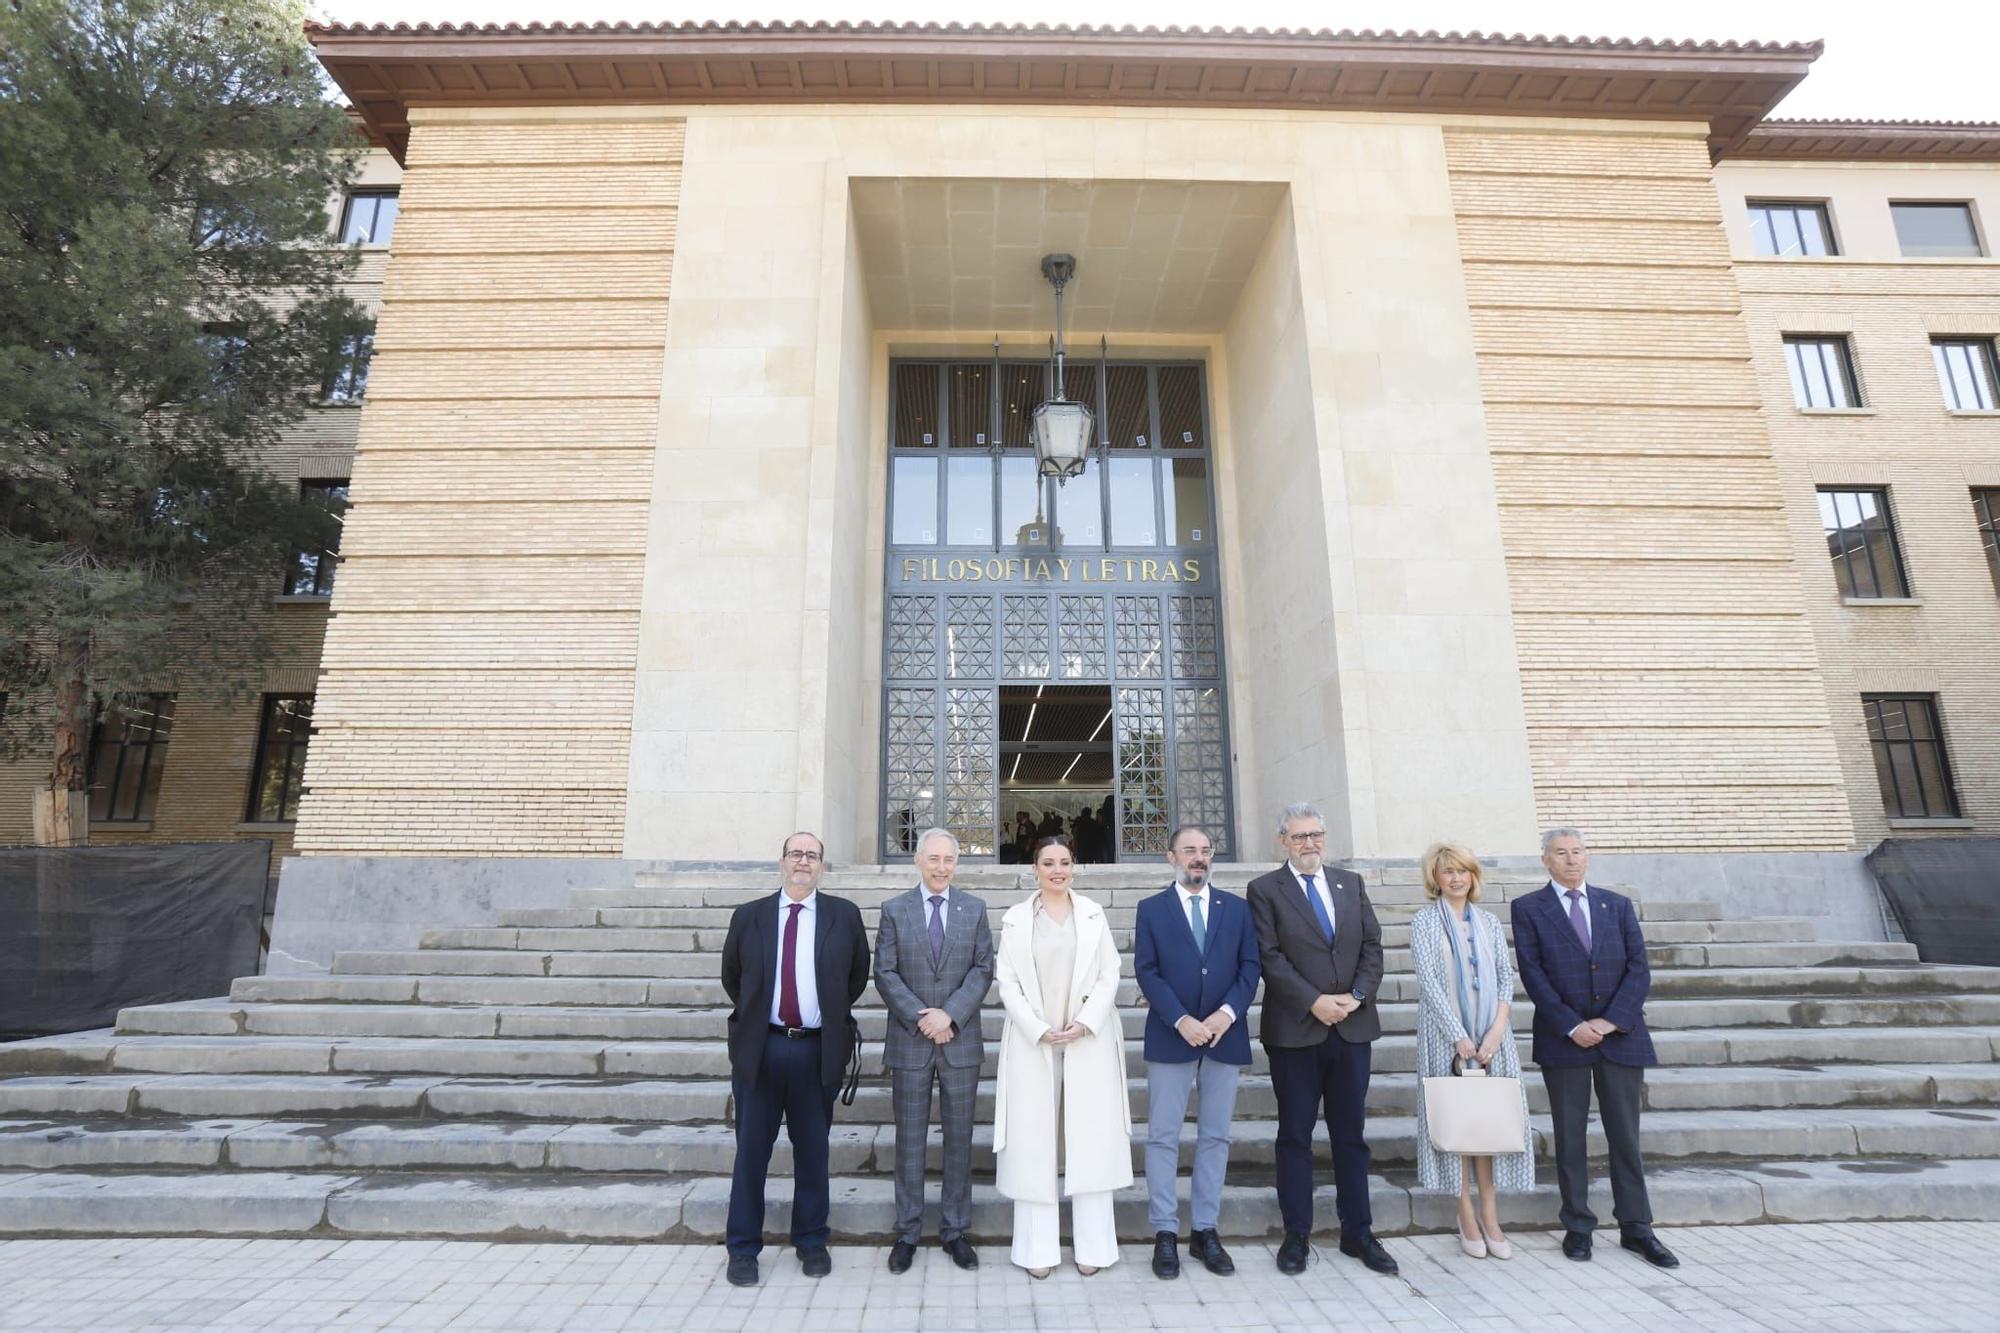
column 788, row 985
column 937, row 930
column 1577, row 920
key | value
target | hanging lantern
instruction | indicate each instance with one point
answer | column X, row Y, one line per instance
column 1061, row 430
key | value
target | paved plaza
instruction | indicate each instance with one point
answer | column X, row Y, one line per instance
column 1873, row 1276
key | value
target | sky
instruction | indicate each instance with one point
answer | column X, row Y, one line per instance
column 1933, row 61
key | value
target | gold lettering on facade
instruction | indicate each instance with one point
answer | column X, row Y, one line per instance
column 1192, row 569
column 1149, row 570
column 1057, row 569
column 1063, row 565
column 1173, row 572
column 996, row 569
column 910, row 567
column 1106, row 570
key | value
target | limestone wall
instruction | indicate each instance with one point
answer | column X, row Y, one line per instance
column 1669, row 671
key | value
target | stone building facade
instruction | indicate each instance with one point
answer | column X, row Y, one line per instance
column 1516, row 517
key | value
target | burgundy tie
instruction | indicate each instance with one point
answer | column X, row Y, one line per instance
column 788, row 982
column 1578, row 922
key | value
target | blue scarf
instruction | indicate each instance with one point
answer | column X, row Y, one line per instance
column 1478, row 975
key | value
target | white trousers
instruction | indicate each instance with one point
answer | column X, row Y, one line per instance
column 1093, row 1228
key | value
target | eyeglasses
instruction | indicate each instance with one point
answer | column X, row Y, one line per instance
column 1319, row 836
column 807, row 857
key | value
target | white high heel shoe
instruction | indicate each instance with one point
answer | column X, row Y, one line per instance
column 1499, row 1247
column 1473, row 1248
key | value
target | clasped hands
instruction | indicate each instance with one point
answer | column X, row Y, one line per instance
column 1483, row 1052
column 1067, row 1033
column 1591, row 1031
column 1331, row 1009
column 1198, row 1033
column 935, row 1024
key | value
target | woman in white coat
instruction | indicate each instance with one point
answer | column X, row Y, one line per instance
column 1062, row 1124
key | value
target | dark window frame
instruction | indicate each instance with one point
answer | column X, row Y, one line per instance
column 1964, row 206
column 311, row 573
column 1797, row 371
column 347, row 379
column 1829, row 243
column 1980, row 362
column 1986, row 513
column 372, row 197
column 151, row 747
column 1852, row 552
column 291, row 763
column 1885, row 748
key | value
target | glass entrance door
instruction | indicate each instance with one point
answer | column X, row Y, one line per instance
column 1051, row 651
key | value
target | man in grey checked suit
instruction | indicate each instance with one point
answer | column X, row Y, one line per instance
column 933, row 964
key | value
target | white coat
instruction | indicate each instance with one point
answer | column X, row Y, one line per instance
column 1097, row 1113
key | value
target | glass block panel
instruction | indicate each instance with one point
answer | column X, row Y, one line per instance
column 968, row 637
column 916, row 407
column 1196, row 643
column 1080, row 637
column 1080, row 507
column 968, row 499
column 1142, row 773
column 1132, row 518
column 1128, row 414
column 1023, row 520
column 909, row 782
column 1020, row 393
column 1201, row 773
column 1188, row 519
column 971, row 405
column 1180, row 408
column 1138, row 638
column 971, row 768
column 913, row 499
column 912, row 637
column 1025, row 638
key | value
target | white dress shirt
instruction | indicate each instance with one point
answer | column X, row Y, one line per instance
column 803, row 969
column 1188, row 899
column 1320, row 887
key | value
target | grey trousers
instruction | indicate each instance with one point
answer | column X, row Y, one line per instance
column 1167, row 1088
column 910, row 1094
column 1620, row 1089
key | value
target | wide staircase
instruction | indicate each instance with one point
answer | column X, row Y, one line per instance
column 562, row 1074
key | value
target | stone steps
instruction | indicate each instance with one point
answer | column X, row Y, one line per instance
column 584, row 1206
column 860, row 1149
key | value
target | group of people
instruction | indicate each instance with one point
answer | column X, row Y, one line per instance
column 1090, row 832
column 796, row 962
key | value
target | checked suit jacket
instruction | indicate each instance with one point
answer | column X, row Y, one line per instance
column 908, row 980
column 1569, row 985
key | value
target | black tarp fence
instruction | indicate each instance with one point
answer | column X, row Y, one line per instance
column 1945, row 893
column 86, row 931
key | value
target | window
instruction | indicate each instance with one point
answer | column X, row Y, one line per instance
column 1965, row 370
column 282, row 735
column 369, row 219
column 1909, row 756
column 128, row 753
column 1822, row 372
column 1788, row 229
column 1862, row 540
column 224, row 224
column 311, row 572
column 347, row 381
column 1936, row 231
column 1986, row 509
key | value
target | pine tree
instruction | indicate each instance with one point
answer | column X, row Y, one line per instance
column 169, row 302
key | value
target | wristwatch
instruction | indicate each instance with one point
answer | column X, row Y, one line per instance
column 1360, row 995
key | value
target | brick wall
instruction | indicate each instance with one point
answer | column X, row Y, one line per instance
column 1669, row 670
column 476, row 697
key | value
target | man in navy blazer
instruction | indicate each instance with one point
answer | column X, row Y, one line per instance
column 1195, row 952
column 1583, row 963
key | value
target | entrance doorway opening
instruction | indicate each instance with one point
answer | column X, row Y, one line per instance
column 1056, row 773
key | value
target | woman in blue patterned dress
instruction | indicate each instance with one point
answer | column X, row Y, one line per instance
column 1465, row 980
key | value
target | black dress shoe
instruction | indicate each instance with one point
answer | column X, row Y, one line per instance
column 815, row 1262
column 1293, row 1253
column 961, row 1252
column 1370, row 1252
column 1576, row 1245
column 901, row 1255
column 1650, row 1249
column 1166, row 1254
column 1207, row 1247
column 742, row 1270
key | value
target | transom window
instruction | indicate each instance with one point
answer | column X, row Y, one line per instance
column 128, row 756
column 1936, row 230
column 369, row 218
column 1789, row 229
column 1965, row 373
column 1910, row 760
column 1861, row 538
column 1822, row 371
column 282, row 735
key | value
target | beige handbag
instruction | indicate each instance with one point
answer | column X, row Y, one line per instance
column 1472, row 1112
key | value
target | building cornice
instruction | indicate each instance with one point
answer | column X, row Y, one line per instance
column 386, row 69
column 1871, row 141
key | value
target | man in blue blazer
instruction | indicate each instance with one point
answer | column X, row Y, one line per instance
column 1583, row 963
column 1195, row 953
